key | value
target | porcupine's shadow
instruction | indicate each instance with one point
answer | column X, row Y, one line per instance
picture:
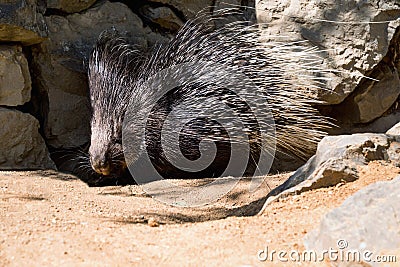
column 239, row 202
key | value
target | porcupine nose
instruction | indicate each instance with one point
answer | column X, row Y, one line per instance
column 100, row 165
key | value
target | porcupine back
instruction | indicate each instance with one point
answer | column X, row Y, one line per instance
column 203, row 64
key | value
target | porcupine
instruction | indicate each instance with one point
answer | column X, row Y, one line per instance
column 283, row 73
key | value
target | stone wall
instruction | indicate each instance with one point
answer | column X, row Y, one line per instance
column 44, row 47
column 359, row 38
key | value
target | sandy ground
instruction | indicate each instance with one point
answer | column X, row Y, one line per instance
column 52, row 219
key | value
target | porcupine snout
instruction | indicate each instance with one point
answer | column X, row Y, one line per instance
column 100, row 164
column 106, row 156
column 100, row 160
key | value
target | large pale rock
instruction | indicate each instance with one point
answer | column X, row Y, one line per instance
column 336, row 160
column 70, row 6
column 354, row 44
column 395, row 130
column 59, row 63
column 21, row 146
column 368, row 221
column 21, row 21
column 15, row 80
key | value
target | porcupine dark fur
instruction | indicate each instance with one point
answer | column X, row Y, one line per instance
column 283, row 72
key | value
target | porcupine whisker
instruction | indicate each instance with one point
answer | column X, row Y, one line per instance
column 82, row 159
column 83, row 167
column 69, row 156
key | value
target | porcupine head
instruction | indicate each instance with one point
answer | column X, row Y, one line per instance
column 110, row 84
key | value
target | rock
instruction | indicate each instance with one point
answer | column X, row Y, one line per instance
column 15, row 80
column 163, row 16
column 368, row 221
column 152, row 222
column 66, row 122
column 21, row 21
column 336, row 160
column 247, row 11
column 394, row 152
column 221, row 4
column 70, row 6
column 352, row 49
column 394, row 149
column 372, row 98
column 395, row 130
column 183, row 10
column 189, row 8
column 61, row 74
column 377, row 96
column 21, row 146
column 380, row 125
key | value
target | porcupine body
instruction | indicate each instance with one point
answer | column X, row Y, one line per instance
column 283, row 86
